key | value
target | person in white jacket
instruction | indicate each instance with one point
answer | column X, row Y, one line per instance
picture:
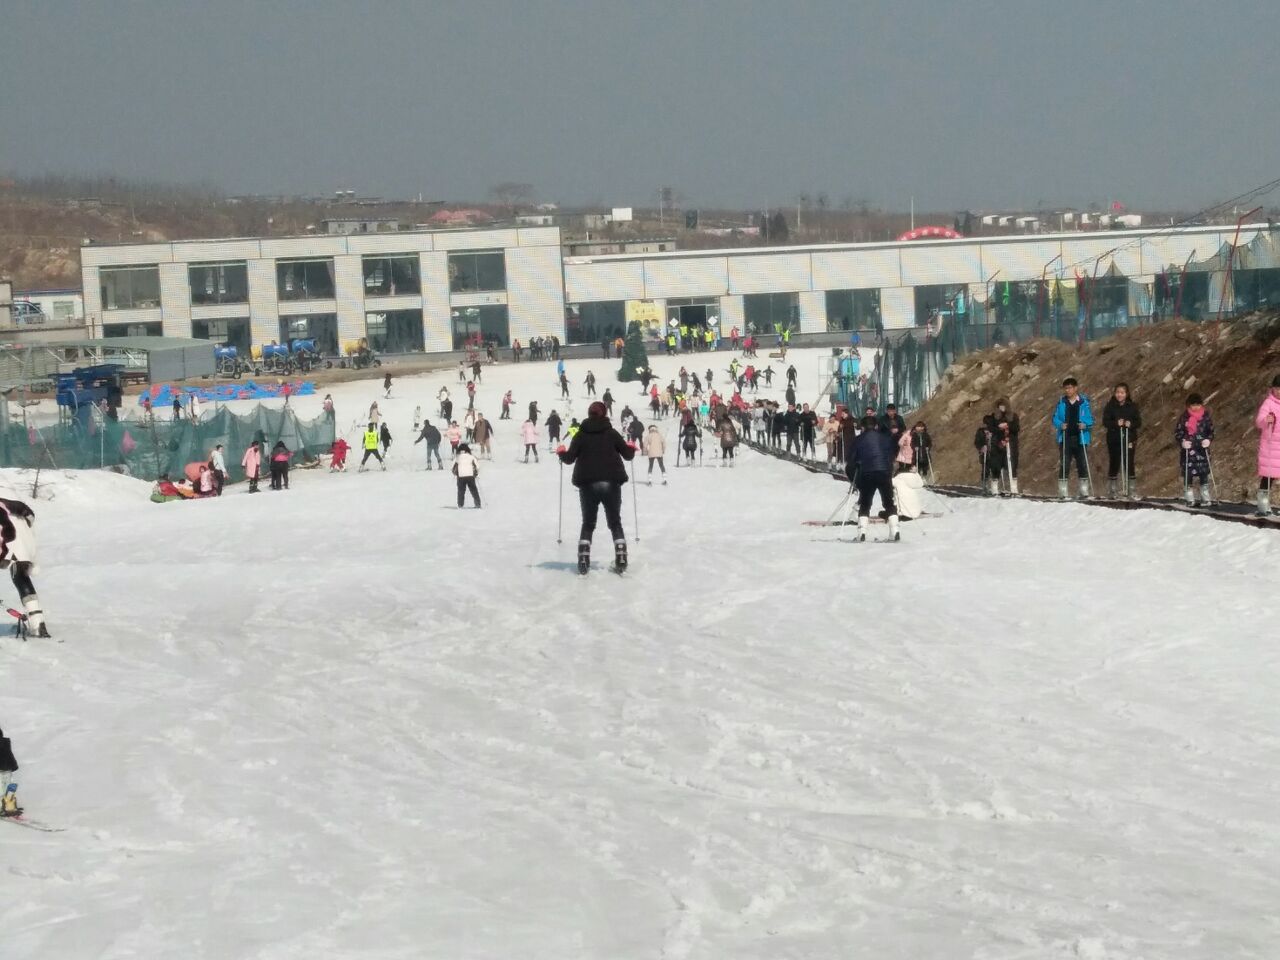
column 18, row 553
column 655, row 447
column 466, row 469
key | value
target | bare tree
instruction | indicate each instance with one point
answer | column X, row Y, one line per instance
column 512, row 195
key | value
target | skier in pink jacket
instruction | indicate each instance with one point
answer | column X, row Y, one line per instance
column 529, row 434
column 1268, row 423
column 252, row 463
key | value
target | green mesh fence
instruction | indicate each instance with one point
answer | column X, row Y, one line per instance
column 151, row 447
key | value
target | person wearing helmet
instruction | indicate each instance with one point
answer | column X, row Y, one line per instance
column 597, row 453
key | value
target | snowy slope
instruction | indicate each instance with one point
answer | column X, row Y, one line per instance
column 352, row 721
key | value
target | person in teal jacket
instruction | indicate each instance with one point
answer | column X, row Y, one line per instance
column 1072, row 420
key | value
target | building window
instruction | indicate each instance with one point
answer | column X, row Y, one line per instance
column 853, row 310
column 232, row 332
column 771, row 312
column 130, row 288
column 594, row 322
column 941, row 302
column 64, row 310
column 320, row 327
column 474, row 326
column 395, row 331
column 155, row 329
column 485, row 271
column 391, row 276
column 219, row 282
column 305, row 279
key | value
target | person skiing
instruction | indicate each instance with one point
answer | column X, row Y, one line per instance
column 374, row 413
column 533, row 412
column 417, row 416
column 18, row 553
column 471, row 394
column 553, row 430
column 728, row 434
column 591, row 384
column 564, row 384
column 529, row 435
column 597, row 454
column 338, row 461
column 218, row 464
column 386, row 386
column 384, row 436
column 869, row 467
column 768, row 376
column 791, row 375
column 808, row 432
column 476, row 371
column 252, row 463
column 446, row 410
column 432, row 436
column 469, row 424
column 689, row 441
column 280, row 455
column 1008, row 427
column 1268, row 445
column 1122, row 420
column 635, row 430
column 921, row 450
column 655, row 448
column 1194, row 433
column 607, row 400
column 892, row 422
column 443, row 395
column 371, row 447
column 1072, row 420
column 482, row 434
column 990, row 454
column 8, row 767
column 467, row 470
column 454, row 434
column 507, row 400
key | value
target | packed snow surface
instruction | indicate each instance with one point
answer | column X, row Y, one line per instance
column 351, row 721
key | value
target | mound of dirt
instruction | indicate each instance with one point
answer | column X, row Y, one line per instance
column 1231, row 366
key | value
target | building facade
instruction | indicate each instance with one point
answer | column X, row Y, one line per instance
column 433, row 290
column 426, row 291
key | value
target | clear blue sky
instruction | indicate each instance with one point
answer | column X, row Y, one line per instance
column 734, row 102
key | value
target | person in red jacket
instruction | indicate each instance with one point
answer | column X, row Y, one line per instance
column 339, row 461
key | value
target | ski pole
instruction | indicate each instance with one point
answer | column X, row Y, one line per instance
column 1124, row 460
column 1209, row 466
column 635, row 512
column 982, row 477
column 1088, row 469
column 560, row 511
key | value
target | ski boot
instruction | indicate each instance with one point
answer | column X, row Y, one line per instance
column 584, row 557
column 863, row 523
column 1013, row 487
column 619, row 556
column 1084, row 490
column 992, row 488
column 1113, row 488
column 1264, row 503
column 1063, row 491
column 1189, row 495
column 894, row 535
column 9, row 804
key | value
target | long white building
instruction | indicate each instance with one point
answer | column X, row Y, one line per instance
column 432, row 290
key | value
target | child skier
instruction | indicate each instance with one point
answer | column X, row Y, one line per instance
column 8, row 767
column 454, row 435
column 252, row 463
column 1122, row 420
column 339, row 451
column 384, row 437
column 529, row 434
column 688, row 441
column 1193, row 434
column 1007, row 437
column 922, row 450
column 1268, row 445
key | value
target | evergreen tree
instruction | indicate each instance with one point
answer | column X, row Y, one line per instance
column 778, row 229
column 634, row 356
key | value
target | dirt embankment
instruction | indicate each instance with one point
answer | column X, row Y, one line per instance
column 1231, row 367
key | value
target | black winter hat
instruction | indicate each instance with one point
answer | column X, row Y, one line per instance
column 1275, row 381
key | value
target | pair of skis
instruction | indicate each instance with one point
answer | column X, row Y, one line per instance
column 10, row 812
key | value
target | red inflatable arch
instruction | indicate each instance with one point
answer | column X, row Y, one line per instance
column 932, row 233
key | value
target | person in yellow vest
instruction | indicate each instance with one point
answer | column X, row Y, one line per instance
column 372, row 437
column 709, row 337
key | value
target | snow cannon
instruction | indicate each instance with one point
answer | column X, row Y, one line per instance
column 359, row 354
column 275, row 358
column 227, row 359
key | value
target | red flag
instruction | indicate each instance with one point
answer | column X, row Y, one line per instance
column 1117, row 206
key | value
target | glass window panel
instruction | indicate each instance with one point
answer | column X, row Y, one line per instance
column 853, row 309
column 770, row 312
column 484, row 271
column 480, row 324
column 395, row 331
column 130, row 288
column 594, row 322
column 305, row 279
column 391, row 276
column 219, row 283
column 320, row 327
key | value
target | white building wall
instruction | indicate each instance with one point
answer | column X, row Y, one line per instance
column 686, row 277
column 813, row 311
column 92, row 291
column 898, row 307
column 535, row 296
column 861, row 270
column 175, row 299
column 348, row 279
column 436, row 323
column 772, row 273
column 731, row 314
column 264, row 306
column 616, row 280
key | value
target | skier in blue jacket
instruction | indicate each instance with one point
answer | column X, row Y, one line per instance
column 869, row 466
column 1072, row 420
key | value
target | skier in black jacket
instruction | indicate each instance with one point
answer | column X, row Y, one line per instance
column 1122, row 420
column 791, row 424
column 986, row 440
column 553, row 429
column 597, row 453
column 808, row 431
column 1007, row 429
column 432, row 436
column 869, row 466
column 892, row 422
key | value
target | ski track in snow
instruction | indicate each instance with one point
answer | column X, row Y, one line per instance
column 352, row 721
